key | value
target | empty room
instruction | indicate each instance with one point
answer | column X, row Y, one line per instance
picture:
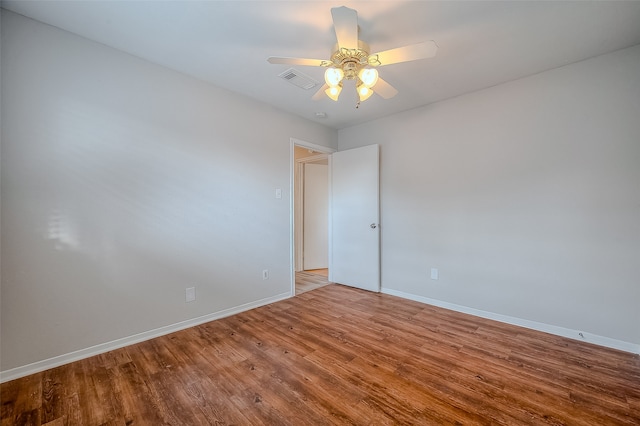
column 318, row 212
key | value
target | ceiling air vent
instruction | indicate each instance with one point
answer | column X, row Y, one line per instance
column 299, row 79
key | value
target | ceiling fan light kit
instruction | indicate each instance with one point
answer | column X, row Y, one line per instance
column 368, row 77
column 334, row 91
column 333, row 76
column 351, row 64
column 351, row 60
column 364, row 92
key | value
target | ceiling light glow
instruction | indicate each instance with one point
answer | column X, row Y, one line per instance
column 333, row 76
column 364, row 92
column 368, row 76
column 333, row 92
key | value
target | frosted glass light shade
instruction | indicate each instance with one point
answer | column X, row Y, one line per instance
column 364, row 92
column 333, row 92
column 333, row 76
column 368, row 76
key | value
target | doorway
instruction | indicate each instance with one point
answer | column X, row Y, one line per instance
column 353, row 215
column 310, row 224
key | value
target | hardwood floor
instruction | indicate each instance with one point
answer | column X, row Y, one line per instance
column 324, row 272
column 337, row 355
column 311, row 280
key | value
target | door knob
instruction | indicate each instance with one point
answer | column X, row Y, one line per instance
column 373, row 226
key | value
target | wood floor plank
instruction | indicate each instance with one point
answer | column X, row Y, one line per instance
column 25, row 400
column 336, row 355
column 310, row 280
column 57, row 422
column 53, row 395
column 131, row 389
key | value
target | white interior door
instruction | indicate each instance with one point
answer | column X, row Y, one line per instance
column 316, row 216
column 355, row 229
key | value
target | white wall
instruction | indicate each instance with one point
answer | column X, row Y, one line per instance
column 526, row 196
column 123, row 183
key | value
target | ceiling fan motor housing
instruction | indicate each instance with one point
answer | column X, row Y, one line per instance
column 351, row 61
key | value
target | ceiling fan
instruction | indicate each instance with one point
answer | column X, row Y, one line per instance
column 351, row 60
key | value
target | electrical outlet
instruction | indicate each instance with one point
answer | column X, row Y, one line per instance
column 434, row 273
column 265, row 274
column 190, row 294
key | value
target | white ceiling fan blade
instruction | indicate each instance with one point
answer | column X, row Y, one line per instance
column 299, row 61
column 320, row 93
column 345, row 23
column 412, row 52
column 384, row 89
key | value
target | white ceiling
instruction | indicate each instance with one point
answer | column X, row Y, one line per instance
column 481, row 43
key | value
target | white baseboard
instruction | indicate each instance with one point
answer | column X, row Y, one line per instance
column 551, row 329
column 36, row 367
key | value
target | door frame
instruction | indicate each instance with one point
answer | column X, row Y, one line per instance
column 295, row 173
